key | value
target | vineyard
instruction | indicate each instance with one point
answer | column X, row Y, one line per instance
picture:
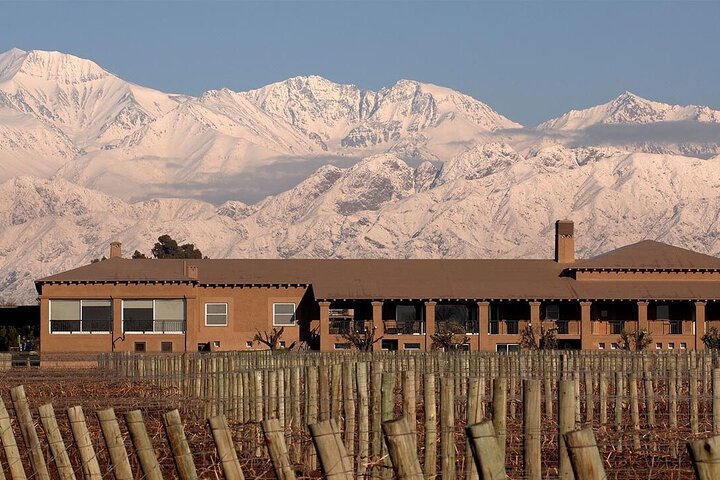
column 643, row 408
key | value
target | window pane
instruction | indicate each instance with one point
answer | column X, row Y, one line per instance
column 137, row 304
column 96, row 315
column 65, row 326
column 284, row 319
column 284, row 308
column 216, row 308
column 169, row 309
column 663, row 312
column 137, row 316
column 216, row 319
column 65, row 310
column 405, row 313
column 552, row 312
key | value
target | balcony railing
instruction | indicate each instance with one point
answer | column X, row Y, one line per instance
column 407, row 327
column 345, row 326
column 154, row 326
column 86, row 326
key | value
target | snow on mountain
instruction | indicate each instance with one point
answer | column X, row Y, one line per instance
column 382, row 208
column 88, row 104
column 629, row 108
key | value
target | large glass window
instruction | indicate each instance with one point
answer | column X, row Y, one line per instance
column 154, row 316
column 662, row 312
column 283, row 314
column 456, row 318
column 216, row 314
column 408, row 320
column 75, row 316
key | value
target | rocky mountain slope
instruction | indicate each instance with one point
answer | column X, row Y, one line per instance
column 488, row 202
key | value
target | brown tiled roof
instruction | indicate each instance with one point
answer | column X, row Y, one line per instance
column 394, row 279
column 649, row 255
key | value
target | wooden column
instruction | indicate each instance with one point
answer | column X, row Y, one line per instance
column 377, row 324
column 325, row 342
column 586, row 326
column 429, row 324
column 699, row 325
column 642, row 316
column 484, row 326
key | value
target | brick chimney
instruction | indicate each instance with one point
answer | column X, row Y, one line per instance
column 115, row 250
column 191, row 271
column 564, row 241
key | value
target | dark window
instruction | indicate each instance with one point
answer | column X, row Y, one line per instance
column 552, row 313
column 662, row 312
column 205, row 347
column 675, row 327
column 97, row 315
column 166, row 347
column 455, row 318
column 616, row 327
column 391, row 345
column 140, row 347
column 138, row 315
column 412, row 346
column 512, row 327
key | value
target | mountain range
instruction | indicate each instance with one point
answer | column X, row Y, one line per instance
column 310, row 168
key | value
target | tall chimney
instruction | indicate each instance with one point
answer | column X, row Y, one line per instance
column 115, row 250
column 564, row 241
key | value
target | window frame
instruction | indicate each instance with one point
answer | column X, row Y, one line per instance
column 153, row 332
column 294, row 314
column 216, row 315
column 81, row 331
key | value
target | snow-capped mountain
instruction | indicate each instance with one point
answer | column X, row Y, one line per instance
column 410, row 170
column 382, row 208
column 630, row 109
column 101, row 131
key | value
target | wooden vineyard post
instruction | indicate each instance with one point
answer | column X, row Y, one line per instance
column 619, row 393
column 348, row 384
column 27, row 428
column 474, row 415
column 363, row 416
column 499, row 417
column 311, row 408
column 705, row 456
column 223, row 441
column 275, row 441
column 603, row 386
column 716, row 400
column 56, row 443
column 179, row 445
column 531, row 419
column 447, row 427
column 430, row 461
column 635, row 411
column 90, row 466
column 488, row 459
column 694, row 420
column 566, row 423
column 143, row 446
column 12, row 453
column 584, row 455
column 115, row 444
column 402, row 447
column 386, row 414
column 333, row 457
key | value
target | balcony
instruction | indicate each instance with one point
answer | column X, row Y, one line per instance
column 344, row 326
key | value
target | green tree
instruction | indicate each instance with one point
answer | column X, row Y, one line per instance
column 137, row 254
column 8, row 338
column 166, row 247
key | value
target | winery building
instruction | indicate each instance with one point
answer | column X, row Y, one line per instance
column 148, row 305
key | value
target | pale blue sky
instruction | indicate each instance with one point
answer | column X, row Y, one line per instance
column 530, row 61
